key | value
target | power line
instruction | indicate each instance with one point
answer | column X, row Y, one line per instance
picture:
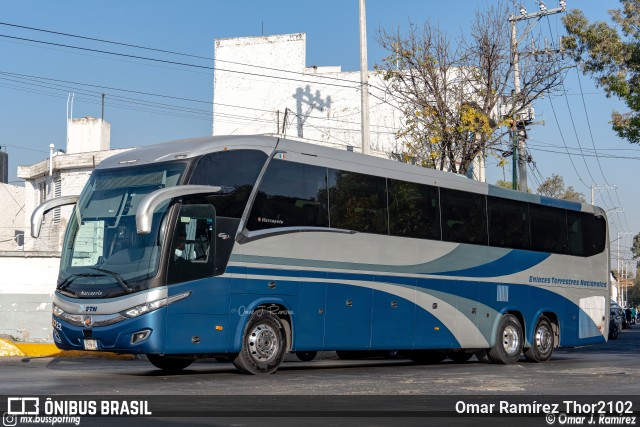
column 184, row 64
column 100, row 40
column 172, row 52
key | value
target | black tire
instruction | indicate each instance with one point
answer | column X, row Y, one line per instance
column 263, row 344
column 509, row 341
column 543, row 342
column 614, row 333
column 306, row 356
column 169, row 364
column 459, row 356
column 427, row 357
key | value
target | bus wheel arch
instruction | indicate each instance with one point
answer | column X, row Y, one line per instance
column 264, row 343
column 509, row 340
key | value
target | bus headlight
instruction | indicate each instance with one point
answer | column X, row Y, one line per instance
column 57, row 311
column 148, row 307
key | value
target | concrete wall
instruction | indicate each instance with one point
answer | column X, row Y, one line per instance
column 27, row 284
column 324, row 103
column 88, row 134
column 11, row 215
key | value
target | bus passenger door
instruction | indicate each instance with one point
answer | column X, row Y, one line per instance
column 348, row 317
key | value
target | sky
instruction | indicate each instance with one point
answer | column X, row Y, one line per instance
column 37, row 73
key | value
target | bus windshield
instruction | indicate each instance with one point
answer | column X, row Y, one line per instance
column 102, row 253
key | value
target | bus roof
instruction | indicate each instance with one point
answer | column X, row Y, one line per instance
column 330, row 157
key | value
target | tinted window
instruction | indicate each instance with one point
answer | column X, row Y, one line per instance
column 237, row 169
column 508, row 223
column 192, row 248
column 587, row 233
column 414, row 210
column 290, row 195
column 548, row 229
column 358, row 202
column 464, row 217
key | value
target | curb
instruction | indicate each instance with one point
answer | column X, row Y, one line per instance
column 11, row 348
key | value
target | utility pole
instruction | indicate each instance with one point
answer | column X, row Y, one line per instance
column 523, row 119
column 364, row 77
column 599, row 187
column 620, row 235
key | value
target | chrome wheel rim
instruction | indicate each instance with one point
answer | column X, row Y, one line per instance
column 263, row 343
column 511, row 340
column 543, row 339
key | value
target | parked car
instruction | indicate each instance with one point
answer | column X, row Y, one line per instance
column 618, row 313
column 614, row 326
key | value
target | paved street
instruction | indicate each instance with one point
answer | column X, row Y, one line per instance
column 611, row 370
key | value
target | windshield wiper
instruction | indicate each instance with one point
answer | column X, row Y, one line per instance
column 119, row 278
column 70, row 278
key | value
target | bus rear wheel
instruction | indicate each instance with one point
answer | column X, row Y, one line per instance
column 263, row 344
column 167, row 363
column 509, row 341
column 542, row 345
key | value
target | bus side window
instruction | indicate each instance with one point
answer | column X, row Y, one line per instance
column 414, row 210
column 464, row 217
column 586, row 233
column 358, row 202
column 548, row 229
column 290, row 195
column 508, row 223
column 237, row 169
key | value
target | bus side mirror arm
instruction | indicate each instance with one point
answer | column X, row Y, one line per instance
column 38, row 213
column 150, row 202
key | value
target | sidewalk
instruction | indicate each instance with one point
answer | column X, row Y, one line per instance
column 9, row 347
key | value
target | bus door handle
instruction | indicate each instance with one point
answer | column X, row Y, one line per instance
column 272, row 285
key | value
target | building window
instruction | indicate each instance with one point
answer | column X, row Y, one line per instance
column 57, row 192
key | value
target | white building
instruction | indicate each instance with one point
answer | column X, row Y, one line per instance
column 29, row 273
column 64, row 173
column 12, row 213
column 263, row 85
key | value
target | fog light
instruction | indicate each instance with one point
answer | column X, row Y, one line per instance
column 140, row 336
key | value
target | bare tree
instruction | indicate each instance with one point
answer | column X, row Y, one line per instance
column 456, row 99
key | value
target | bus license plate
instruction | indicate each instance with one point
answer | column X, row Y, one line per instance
column 90, row 344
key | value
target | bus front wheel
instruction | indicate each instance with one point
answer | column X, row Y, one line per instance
column 263, row 344
column 509, row 341
column 542, row 345
column 170, row 364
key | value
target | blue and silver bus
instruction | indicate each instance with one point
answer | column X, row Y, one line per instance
column 249, row 247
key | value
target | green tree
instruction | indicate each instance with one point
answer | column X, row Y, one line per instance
column 450, row 93
column 635, row 247
column 507, row 184
column 611, row 55
column 554, row 187
column 504, row 184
